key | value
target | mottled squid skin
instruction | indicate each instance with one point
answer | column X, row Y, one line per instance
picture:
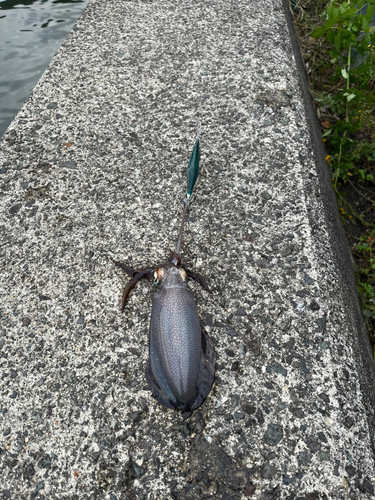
column 181, row 363
column 181, row 366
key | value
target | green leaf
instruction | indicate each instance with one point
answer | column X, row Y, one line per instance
column 350, row 13
column 330, row 9
column 369, row 12
column 338, row 41
column 365, row 24
column 367, row 313
column 361, row 3
column 331, row 37
column 329, row 23
column 349, row 97
column 318, row 32
column 335, row 15
column 357, row 21
column 344, row 74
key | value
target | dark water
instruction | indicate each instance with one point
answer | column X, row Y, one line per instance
column 31, row 31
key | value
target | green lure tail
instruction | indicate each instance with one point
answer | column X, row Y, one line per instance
column 192, row 176
column 193, row 168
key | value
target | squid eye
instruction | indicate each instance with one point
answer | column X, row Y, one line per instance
column 183, row 274
column 159, row 275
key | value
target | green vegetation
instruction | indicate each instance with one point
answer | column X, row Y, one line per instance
column 365, row 250
column 337, row 41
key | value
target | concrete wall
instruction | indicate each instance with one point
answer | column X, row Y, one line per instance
column 93, row 167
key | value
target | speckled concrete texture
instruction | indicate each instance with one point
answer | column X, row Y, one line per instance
column 93, row 167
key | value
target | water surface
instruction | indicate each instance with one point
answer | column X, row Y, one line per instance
column 31, row 32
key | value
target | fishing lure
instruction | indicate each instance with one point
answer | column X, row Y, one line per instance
column 181, row 365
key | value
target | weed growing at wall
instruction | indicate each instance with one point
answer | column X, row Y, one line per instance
column 365, row 250
column 340, row 61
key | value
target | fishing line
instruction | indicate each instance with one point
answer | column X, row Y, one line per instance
column 192, row 175
column 193, row 166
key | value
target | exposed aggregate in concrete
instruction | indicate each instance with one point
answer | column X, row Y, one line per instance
column 93, row 167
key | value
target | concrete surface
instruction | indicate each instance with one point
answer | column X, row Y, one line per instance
column 94, row 166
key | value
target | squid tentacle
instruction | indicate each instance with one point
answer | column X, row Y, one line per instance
column 198, row 278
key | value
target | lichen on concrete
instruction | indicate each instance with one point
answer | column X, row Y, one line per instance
column 93, row 168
